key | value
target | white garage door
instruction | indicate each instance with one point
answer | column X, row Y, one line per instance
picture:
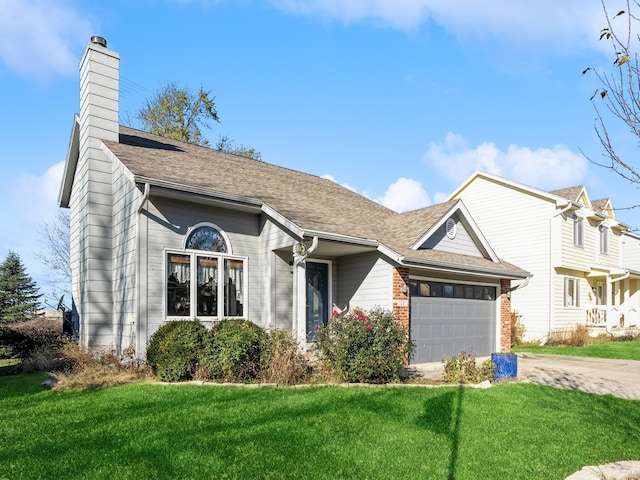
column 447, row 319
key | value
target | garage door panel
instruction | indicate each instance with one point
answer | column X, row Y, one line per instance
column 448, row 326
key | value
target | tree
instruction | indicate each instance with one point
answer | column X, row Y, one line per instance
column 55, row 236
column 620, row 87
column 19, row 296
column 180, row 114
column 227, row 145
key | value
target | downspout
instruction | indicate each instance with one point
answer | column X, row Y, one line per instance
column 137, row 327
column 300, row 255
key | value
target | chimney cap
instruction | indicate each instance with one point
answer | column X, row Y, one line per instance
column 99, row 41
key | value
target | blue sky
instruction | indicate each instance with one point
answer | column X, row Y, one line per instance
column 400, row 101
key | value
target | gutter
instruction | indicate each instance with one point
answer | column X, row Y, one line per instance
column 455, row 268
column 180, row 190
column 518, row 287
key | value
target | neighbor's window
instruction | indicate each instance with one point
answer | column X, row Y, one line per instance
column 571, row 292
column 205, row 280
column 604, row 239
column 578, row 231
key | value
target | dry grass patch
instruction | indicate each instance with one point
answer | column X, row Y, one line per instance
column 89, row 370
column 578, row 336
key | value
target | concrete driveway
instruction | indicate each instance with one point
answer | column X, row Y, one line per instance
column 620, row 378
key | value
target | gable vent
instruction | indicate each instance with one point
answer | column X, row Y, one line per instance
column 451, row 228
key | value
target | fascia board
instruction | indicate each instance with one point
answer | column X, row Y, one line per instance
column 70, row 164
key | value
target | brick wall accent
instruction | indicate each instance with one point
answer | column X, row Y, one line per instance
column 400, row 299
column 505, row 316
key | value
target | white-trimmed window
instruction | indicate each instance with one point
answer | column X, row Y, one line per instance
column 205, row 280
column 571, row 292
column 604, row 238
column 578, row 231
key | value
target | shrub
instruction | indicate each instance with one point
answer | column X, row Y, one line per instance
column 173, row 350
column 282, row 361
column 23, row 338
column 517, row 329
column 232, row 351
column 464, row 369
column 365, row 346
column 37, row 343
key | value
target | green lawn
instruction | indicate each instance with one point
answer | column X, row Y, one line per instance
column 616, row 350
column 145, row 431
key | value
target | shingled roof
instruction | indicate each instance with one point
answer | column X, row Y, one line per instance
column 310, row 202
column 600, row 205
column 570, row 193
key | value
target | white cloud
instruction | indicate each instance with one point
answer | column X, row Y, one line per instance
column 37, row 37
column 29, row 202
column 37, row 196
column 565, row 26
column 328, row 176
column 543, row 168
column 404, row 195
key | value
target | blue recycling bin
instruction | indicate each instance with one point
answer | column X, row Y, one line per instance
column 506, row 366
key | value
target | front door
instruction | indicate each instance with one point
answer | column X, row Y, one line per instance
column 317, row 297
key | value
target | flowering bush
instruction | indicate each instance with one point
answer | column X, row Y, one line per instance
column 365, row 346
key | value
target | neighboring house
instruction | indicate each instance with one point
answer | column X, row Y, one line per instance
column 631, row 250
column 165, row 230
column 571, row 245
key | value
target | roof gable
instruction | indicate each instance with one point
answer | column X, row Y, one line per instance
column 520, row 187
column 456, row 232
column 577, row 194
column 604, row 207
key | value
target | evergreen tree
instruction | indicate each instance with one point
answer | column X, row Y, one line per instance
column 19, row 295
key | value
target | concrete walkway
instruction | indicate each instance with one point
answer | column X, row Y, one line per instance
column 620, row 378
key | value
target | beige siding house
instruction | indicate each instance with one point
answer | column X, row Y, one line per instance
column 164, row 230
column 572, row 245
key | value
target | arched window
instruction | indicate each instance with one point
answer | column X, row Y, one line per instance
column 206, row 238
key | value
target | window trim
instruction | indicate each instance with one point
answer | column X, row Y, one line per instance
column 193, row 277
column 578, row 231
column 573, row 284
column 604, row 239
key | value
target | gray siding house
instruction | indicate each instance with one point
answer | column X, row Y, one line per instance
column 165, row 230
